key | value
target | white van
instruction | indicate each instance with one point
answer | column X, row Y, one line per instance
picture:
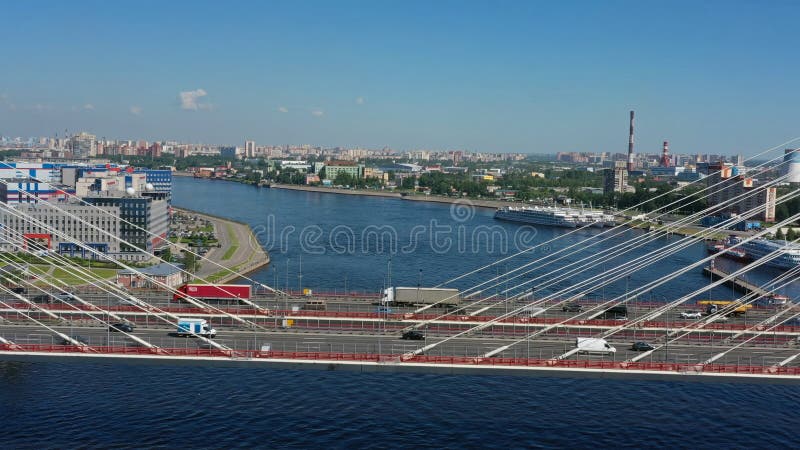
column 594, row 345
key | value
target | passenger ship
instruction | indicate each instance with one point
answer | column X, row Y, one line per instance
column 556, row 217
column 789, row 253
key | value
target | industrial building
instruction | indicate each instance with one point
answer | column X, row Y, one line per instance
column 138, row 214
column 25, row 190
column 33, row 233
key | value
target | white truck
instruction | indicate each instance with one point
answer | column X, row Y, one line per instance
column 192, row 327
column 400, row 296
column 531, row 311
column 594, row 345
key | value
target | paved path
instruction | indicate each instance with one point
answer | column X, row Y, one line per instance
column 249, row 255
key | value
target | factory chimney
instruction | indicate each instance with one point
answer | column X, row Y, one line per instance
column 665, row 155
column 630, row 146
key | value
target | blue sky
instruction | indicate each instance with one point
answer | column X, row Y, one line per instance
column 539, row 77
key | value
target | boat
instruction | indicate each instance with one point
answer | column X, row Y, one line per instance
column 724, row 249
column 555, row 216
column 788, row 252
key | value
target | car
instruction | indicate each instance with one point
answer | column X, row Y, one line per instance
column 691, row 315
column 383, row 310
column 641, row 347
column 80, row 339
column 42, row 298
column 413, row 335
column 126, row 327
column 65, row 296
column 19, row 290
column 572, row 307
column 621, row 319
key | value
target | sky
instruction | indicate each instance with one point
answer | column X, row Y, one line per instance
column 530, row 76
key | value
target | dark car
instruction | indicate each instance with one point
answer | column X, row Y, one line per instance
column 641, row 347
column 413, row 335
column 572, row 307
column 126, row 327
column 80, row 339
column 19, row 290
column 42, row 298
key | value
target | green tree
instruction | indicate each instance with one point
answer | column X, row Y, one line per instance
column 343, row 179
column 791, row 235
column 190, row 262
column 779, row 234
column 166, row 254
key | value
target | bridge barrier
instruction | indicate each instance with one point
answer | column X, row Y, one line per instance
column 404, row 358
column 404, row 316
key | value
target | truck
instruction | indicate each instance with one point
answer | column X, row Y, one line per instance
column 192, row 327
column 214, row 292
column 412, row 296
column 531, row 311
column 713, row 306
column 594, row 345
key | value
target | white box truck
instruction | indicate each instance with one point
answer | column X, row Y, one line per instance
column 410, row 296
column 594, row 345
column 191, row 327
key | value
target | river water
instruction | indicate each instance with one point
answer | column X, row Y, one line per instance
column 356, row 243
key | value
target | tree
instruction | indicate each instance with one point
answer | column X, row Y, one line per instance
column 779, row 234
column 408, row 183
column 343, row 179
column 166, row 254
column 190, row 262
column 791, row 235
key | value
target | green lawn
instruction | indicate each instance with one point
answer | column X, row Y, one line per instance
column 76, row 279
column 230, row 252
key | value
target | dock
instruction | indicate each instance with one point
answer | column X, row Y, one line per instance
column 736, row 283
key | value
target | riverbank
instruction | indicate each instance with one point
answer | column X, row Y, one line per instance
column 480, row 203
column 239, row 251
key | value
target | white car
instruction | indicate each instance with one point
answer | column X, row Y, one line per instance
column 691, row 315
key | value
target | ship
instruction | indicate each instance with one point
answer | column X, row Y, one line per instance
column 555, row 217
column 723, row 248
column 788, row 252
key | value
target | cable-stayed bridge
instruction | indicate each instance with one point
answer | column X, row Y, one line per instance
column 498, row 325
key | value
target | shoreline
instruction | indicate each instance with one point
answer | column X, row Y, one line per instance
column 687, row 230
column 255, row 256
column 480, row 203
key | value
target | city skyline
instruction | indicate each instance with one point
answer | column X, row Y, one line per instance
column 529, row 78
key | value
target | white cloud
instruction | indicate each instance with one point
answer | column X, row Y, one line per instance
column 360, row 100
column 88, row 107
column 40, row 107
column 317, row 112
column 189, row 100
column 283, row 109
column 136, row 110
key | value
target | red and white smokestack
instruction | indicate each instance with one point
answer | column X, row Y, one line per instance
column 630, row 146
column 665, row 155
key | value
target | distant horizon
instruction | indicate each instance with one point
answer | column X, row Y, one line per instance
column 516, row 77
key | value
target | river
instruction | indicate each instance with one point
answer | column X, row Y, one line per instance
column 51, row 405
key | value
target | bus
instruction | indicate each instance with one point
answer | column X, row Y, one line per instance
column 712, row 306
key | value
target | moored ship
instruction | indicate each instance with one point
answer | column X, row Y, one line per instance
column 554, row 216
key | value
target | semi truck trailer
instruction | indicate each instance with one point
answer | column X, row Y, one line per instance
column 411, row 296
column 213, row 292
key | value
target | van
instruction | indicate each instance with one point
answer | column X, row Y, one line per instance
column 531, row 311
column 594, row 345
